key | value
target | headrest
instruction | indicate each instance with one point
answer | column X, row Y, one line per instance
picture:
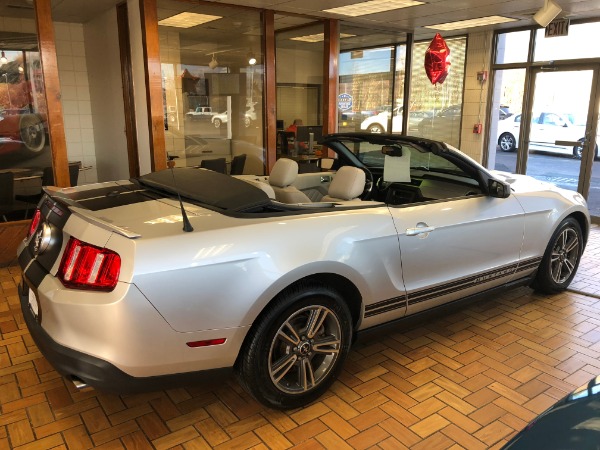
column 348, row 183
column 284, row 173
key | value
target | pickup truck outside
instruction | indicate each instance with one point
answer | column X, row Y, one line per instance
column 201, row 112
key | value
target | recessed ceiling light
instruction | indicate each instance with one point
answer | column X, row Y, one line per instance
column 187, row 20
column 318, row 37
column 372, row 7
column 482, row 21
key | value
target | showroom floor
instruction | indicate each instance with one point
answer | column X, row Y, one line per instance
column 468, row 380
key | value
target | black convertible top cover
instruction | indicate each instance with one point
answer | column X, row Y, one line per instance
column 207, row 188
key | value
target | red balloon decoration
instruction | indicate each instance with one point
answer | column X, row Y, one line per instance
column 437, row 60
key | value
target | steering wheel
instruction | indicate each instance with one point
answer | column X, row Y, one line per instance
column 366, row 195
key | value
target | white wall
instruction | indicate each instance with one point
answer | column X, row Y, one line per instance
column 106, row 94
column 75, row 98
column 479, row 49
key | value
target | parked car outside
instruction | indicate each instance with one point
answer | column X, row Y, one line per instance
column 222, row 118
column 185, row 273
column 546, row 128
column 379, row 123
column 443, row 125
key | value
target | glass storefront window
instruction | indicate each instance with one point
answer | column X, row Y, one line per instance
column 439, row 105
column 212, row 77
column 512, row 47
column 505, row 121
column 578, row 44
column 399, row 93
column 366, row 91
column 25, row 154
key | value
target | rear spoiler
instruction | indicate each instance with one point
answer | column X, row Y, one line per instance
column 87, row 214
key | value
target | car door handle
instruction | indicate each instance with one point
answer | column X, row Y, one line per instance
column 325, row 179
column 421, row 228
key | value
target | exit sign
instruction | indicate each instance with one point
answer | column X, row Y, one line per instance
column 557, row 28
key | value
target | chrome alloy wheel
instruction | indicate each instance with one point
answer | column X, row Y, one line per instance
column 565, row 255
column 304, row 349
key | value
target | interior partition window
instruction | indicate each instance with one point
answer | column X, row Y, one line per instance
column 212, row 73
column 299, row 78
column 25, row 153
column 436, row 110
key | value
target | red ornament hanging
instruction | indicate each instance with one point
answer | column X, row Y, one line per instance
column 437, row 60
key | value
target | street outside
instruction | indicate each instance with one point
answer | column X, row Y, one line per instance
column 562, row 171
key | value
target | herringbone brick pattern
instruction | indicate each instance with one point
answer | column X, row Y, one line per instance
column 587, row 279
column 467, row 380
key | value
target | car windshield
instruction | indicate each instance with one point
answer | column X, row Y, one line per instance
column 370, row 154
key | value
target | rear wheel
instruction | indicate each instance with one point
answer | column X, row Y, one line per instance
column 507, row 142
column 578, row 151
column 561, row 259
column 375, row 128
column 297, row 348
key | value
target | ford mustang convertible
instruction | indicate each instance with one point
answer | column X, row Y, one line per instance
column 186, row 273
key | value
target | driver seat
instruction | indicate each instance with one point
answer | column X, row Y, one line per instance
column 347, row 185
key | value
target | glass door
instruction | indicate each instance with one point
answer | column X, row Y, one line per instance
column 559, row 127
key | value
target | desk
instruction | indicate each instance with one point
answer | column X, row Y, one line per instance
column 26, row 181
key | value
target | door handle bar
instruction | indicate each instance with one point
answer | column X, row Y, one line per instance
column 418, row 230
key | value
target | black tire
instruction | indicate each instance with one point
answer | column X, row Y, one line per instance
column 217, row 123
column 375, row 128
column 33, row 135
column 561, row 258
column 289, row 372
column 507, row 142
column 578, row 151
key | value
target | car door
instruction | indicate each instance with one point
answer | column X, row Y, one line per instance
column 473, row 244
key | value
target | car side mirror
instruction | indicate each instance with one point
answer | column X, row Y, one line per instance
column 498, row 189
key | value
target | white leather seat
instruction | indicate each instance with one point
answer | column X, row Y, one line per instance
column 263, row 186
column 281, row 179
column 347, row 185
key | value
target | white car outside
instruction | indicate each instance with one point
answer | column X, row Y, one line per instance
column 186, row 273
column 378, row 123
column 546, row 128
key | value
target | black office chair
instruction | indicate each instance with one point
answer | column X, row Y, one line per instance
column 237, row 164
column 8, row 203
column 217, row 165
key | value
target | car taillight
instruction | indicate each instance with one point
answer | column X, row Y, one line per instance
column 35, row 221
column 86, row 266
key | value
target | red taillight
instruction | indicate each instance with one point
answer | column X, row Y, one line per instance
column 35, row 221
column 86, row 266
column 206, row 343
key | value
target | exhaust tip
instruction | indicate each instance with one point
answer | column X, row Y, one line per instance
column 78, row 383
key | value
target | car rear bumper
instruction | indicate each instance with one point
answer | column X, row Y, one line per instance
column 99, row 373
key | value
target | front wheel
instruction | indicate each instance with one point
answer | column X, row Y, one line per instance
column 297, row 348
column 32, row 134
column 507, row 142
column 561, row 259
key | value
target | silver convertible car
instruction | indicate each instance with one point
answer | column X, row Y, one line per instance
column 186, row 273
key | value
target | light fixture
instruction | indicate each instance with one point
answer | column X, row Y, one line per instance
column 372, row 7
column 213, row 62
column 21, row 70
column 470, row 23
column 3, row 58
column 251, row 59
column 187, row 20
column 547, row 14
column 319, row 37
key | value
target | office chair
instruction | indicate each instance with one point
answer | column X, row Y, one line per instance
column 217, row 165
column 237, row 164
column 8, row 203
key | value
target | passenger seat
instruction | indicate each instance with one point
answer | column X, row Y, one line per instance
column 281, row 179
